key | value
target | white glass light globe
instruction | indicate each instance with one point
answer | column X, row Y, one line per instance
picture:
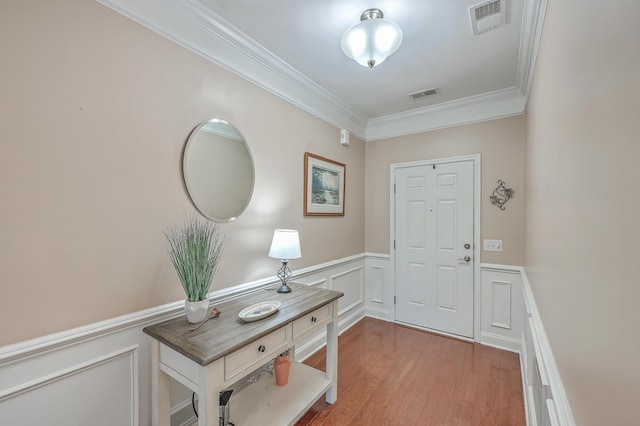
column 371, row 41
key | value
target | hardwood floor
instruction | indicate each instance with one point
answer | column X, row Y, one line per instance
column 394, row 375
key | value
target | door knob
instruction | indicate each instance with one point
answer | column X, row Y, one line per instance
column 466, row 258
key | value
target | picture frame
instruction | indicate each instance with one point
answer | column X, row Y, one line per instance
column 324, row 186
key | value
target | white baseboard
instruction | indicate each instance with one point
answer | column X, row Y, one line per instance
column 377, row 313
column 501, row 342
column 182, row 414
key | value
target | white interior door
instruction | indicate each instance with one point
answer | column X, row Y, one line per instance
column 434, row 246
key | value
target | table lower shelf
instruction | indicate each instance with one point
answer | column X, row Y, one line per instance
column 265, row 403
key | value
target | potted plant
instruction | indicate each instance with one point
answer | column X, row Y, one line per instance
column 195, row 250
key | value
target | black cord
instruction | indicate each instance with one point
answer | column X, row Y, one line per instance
column 193, row 403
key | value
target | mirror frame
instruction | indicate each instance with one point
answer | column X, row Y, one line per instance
column 185, row 167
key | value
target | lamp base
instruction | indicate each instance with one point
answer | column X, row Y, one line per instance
column 284, row 289
column 284, row 273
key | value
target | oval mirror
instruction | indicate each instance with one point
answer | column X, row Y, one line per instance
column 218, row 170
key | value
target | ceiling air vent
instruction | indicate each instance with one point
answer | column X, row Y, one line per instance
column 423, row 93
column 488, row 15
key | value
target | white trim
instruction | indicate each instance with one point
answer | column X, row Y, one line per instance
column 29, row 348
column 488, row 106
column 538, row 354
column 434, row 331
column 381, row 256
column 500, row 342
column 76, row 369
column 477, row 166
column 22, row 350
column 532, row 23
column 501, row 268
column 380, row 299
column 72, row 351
column 360, row 285
column 561, row 402
column 195, row 27
column 192, row 25
column 494, row 288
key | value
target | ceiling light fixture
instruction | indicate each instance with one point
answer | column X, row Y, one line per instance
column 372, row 40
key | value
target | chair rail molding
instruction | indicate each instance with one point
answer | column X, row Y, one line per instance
column 58, row 372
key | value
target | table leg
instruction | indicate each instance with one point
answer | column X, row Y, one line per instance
column 332, row 355
column 160, row 390
column 209, row 388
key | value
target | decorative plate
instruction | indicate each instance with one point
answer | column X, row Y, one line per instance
column 259, row 311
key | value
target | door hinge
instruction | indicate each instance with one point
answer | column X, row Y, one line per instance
column 394, row 244
column 394, row 188
column 394, row 300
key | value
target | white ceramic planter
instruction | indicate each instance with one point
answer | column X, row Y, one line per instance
column 196, row 311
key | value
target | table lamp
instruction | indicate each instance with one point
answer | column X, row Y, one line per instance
column 285, row 246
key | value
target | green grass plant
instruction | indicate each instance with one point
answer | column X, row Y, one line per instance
column 195, row 250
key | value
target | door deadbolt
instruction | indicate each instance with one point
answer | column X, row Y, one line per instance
column 467, row 246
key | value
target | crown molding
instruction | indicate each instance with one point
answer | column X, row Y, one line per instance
column 488, row 106
column 532, row 22
column 195, row 27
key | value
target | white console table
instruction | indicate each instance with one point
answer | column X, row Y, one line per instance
column 226, row 349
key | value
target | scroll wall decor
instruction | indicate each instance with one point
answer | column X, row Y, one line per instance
column 501, row 194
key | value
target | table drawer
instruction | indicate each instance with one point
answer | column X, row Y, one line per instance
column 317, row 318
column 257, row 352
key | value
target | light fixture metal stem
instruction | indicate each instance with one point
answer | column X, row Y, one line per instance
column 371, row 14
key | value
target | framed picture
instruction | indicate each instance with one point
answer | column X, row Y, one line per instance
column 324, row 185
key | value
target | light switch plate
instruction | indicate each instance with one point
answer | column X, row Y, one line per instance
column 492, row 245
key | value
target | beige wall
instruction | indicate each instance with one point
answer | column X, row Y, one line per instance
column 501, row 145
column 95, row 113
column 582, row 201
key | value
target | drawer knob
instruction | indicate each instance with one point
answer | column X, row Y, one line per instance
column 261, row 348
column 314, row 319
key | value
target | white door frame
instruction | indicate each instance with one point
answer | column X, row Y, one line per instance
column 476, row 231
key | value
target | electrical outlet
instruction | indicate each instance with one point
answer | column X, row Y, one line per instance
column 492, row 245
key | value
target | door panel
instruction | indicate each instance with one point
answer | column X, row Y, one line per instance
column 416, row 292
column 447, row 288
column 434, row 220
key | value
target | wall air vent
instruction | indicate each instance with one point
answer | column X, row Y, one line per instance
column 423, row 93
column 488, row 16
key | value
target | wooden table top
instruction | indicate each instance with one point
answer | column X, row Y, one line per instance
column 221, row 336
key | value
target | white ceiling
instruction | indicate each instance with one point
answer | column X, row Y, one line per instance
column 292, row 48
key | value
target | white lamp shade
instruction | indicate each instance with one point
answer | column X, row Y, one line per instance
column 285, row 245
column 371, row 41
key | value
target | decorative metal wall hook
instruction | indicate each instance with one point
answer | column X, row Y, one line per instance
column 501, row 194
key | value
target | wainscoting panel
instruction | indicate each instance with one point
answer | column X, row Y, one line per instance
column 376, row 283
column 347, row 277
column 351, row 283
column 378, row 293
column 55, row 400
column 546, row 400
column 501, row 307
column 100, row 374
column 501, row 304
